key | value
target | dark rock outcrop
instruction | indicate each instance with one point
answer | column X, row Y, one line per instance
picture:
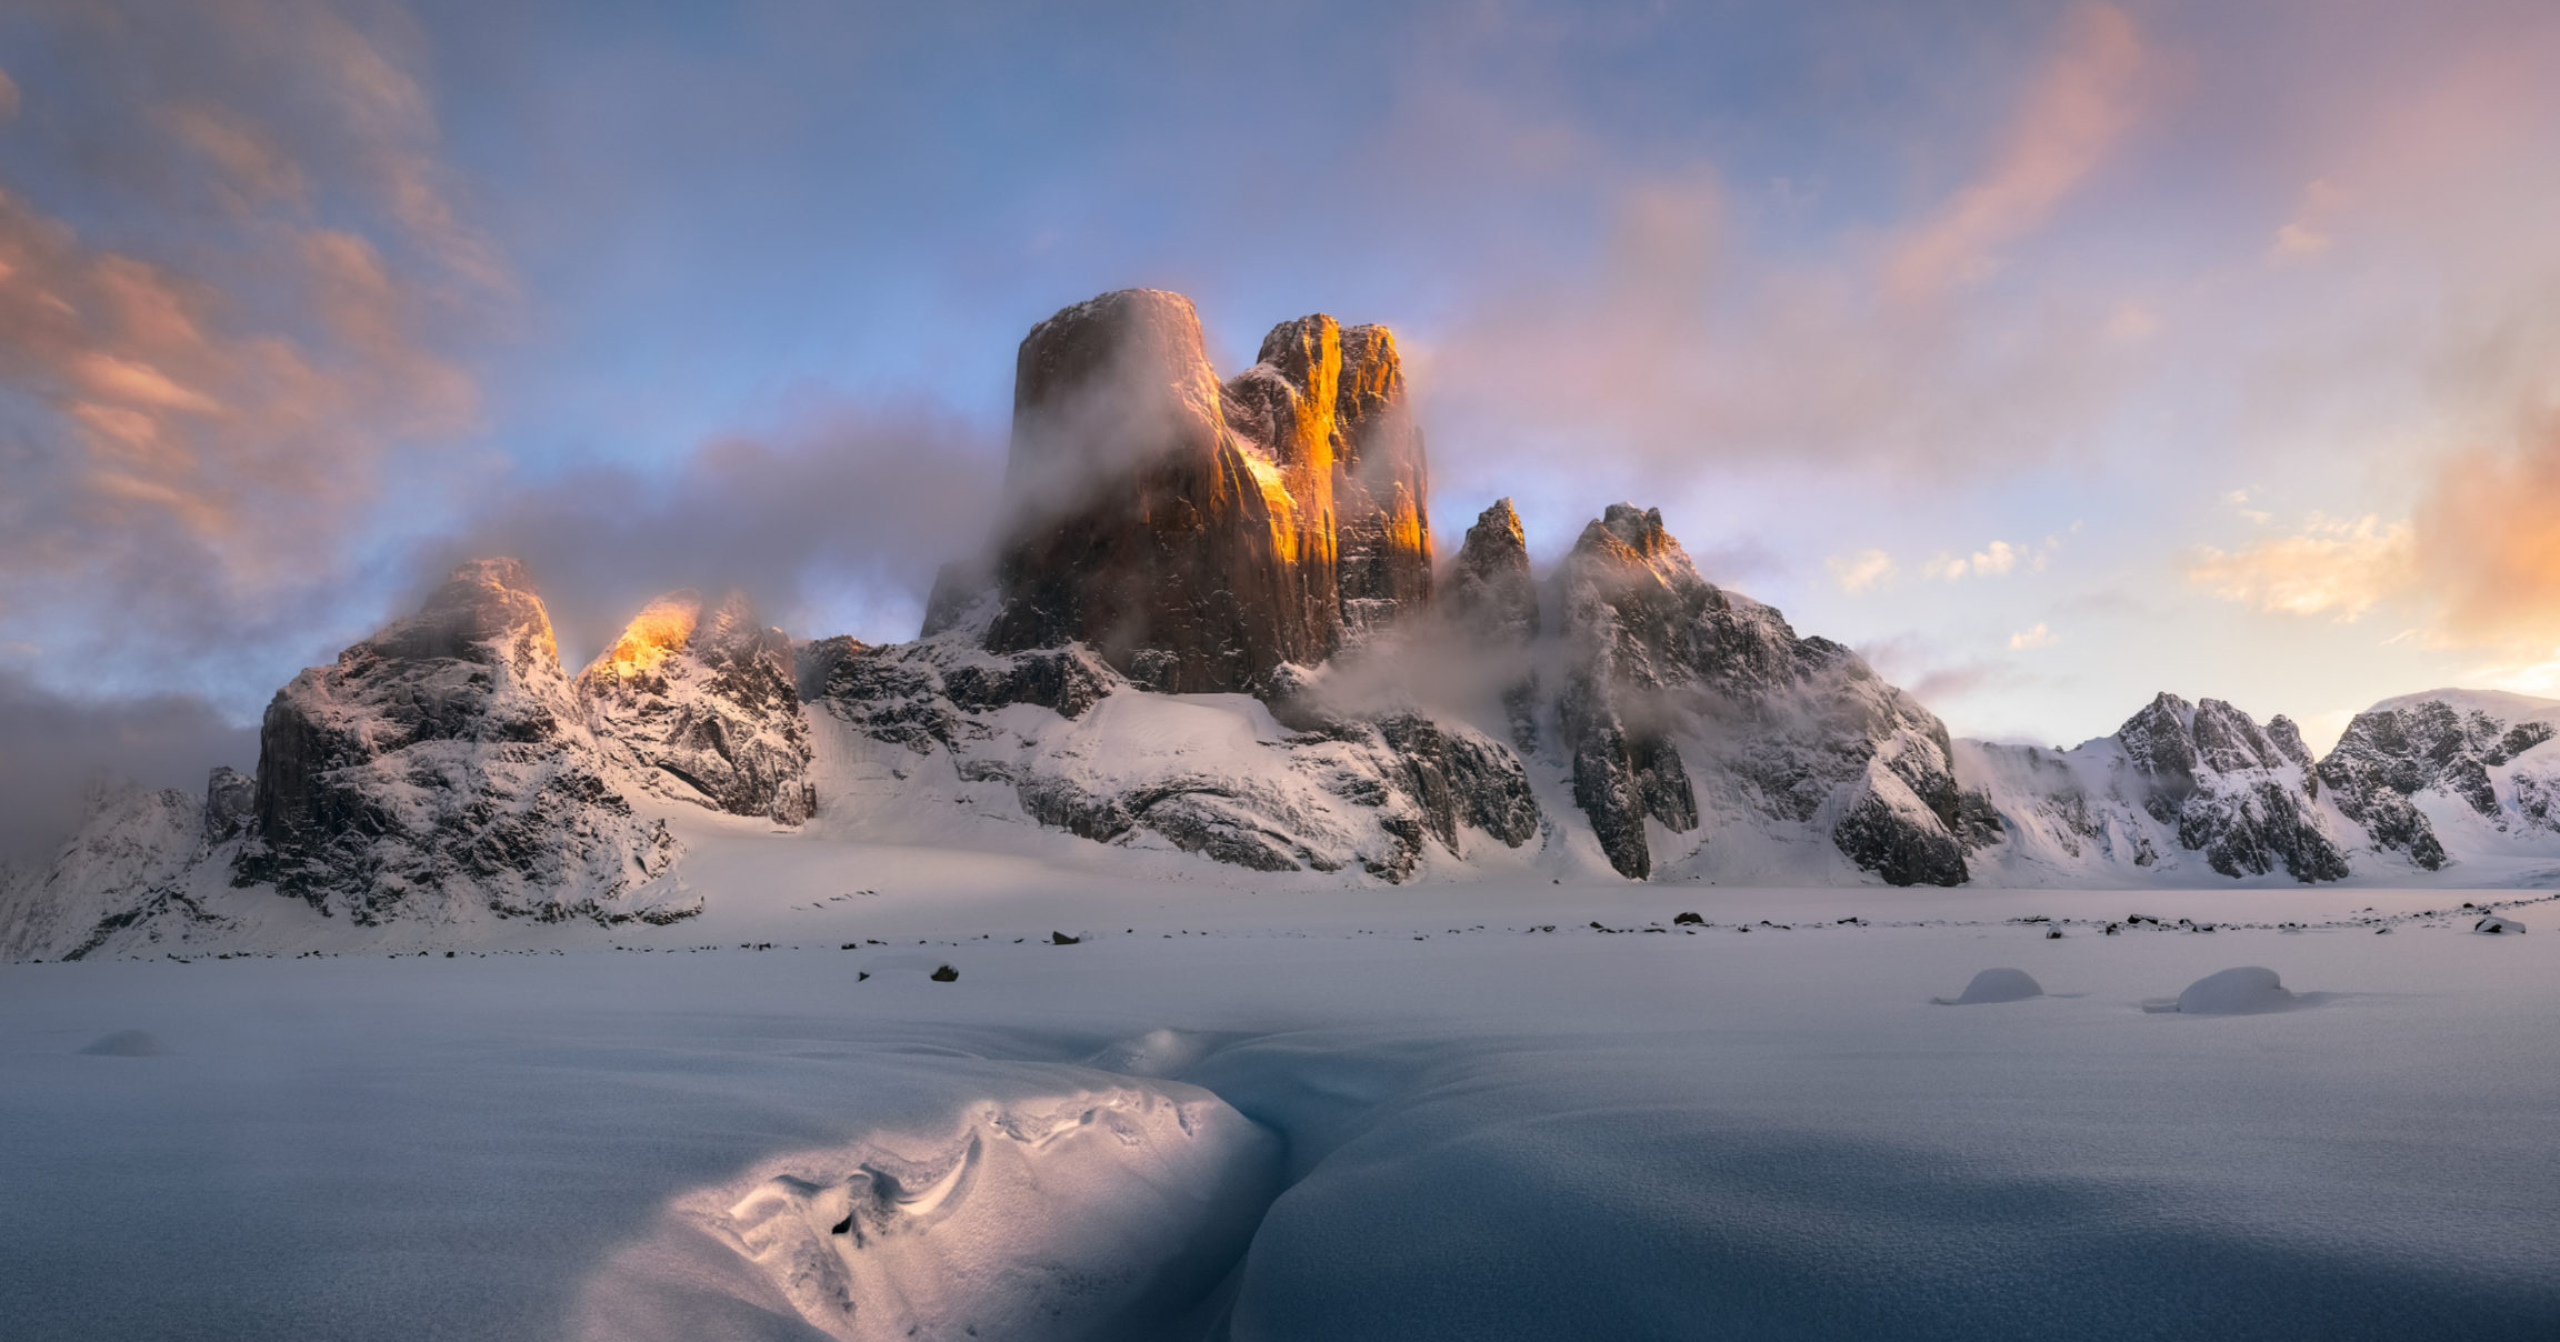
column 230, row 804
column 443, row 766
column 1490, row 593
column 814, row 663
column 706, row 705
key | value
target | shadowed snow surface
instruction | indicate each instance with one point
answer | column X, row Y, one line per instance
column 1315, row 1119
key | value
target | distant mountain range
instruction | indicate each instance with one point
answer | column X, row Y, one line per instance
column 1213, row 622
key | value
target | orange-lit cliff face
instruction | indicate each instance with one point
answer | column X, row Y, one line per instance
column 661, row 630
column 1198, row 533
column 702, row 697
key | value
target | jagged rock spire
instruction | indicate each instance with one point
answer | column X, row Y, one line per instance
column 1200, row 534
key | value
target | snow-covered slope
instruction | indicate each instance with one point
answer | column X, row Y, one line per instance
column 130, row 865
column 1076, row 746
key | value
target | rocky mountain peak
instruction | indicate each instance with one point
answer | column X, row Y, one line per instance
column 1284, row 408
column 2289, row 746
column 1305, row 356
column 2202, row 777
column 1491, row 597
column 486, row 611
column 1490, row 589
column 2175, row 743
column 1668, row 670
column 678, row 624
column 662, row 629
column 444, row 765
column 2160, row 742
column 1627, row 533
column 1132, row 359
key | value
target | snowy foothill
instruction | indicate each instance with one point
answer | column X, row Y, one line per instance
column 1452, row 1110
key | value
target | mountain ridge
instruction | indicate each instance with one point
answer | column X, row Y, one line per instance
column 1213, row 625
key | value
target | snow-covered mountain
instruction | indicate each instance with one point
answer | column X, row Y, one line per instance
column 2181, row 790
column 2451, row 771
column 1701, row 712
column 1212, row 636
column 445, row 767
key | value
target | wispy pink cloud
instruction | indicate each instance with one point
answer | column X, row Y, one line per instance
column 2072, row 112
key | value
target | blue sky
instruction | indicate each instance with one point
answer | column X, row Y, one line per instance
column 2053, row 354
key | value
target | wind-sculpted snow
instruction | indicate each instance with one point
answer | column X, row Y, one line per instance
column 2250, row 990
column 1093, row 1214
column 1487, row 1119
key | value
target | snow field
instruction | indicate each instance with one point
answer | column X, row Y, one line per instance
column 1478, row 1133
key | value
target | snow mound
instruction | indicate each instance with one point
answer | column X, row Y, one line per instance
column 125, row 1044
column 2245, row 991
column 1995, row 985
column 1076, row 1215
column 2496, row 925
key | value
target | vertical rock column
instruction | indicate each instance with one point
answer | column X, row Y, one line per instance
column 1381, row 486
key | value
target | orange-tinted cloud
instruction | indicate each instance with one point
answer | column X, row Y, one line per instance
column 2488, row 544
column 2336, row 568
